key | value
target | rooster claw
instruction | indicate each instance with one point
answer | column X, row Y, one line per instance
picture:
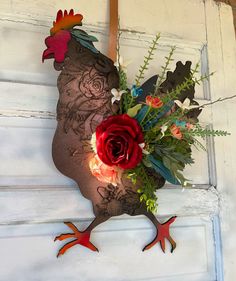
column 163, row 232
column 81, row 238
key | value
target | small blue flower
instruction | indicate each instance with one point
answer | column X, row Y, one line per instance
column 180, row 123
column 136, row 91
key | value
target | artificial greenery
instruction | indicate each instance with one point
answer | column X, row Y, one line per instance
column 147, row 59
column 164, row 68
column 168, row 134
column 146, row 184
column 203, row 132
column 174, row 156
column 188, row 82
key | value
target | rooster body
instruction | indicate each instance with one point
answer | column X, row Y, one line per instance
column 84, row 86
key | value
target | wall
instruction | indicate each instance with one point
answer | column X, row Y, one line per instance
column 232, row 3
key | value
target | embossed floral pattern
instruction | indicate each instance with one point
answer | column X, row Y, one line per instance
column 92, row 84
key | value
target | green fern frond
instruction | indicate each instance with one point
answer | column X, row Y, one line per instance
column 200, row 132
column 164, row 69
column 147, row 60
column 147, row 189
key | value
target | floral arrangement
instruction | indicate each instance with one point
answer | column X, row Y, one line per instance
column 156, row 133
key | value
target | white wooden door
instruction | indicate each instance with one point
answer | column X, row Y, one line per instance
column 35, row 198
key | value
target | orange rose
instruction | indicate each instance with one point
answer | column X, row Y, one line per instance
column 154, row 102
column 175, row 131
column 103, row 172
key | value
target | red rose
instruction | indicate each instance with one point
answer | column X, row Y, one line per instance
column 117, row 140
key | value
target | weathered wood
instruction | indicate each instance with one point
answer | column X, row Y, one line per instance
column 222, row 57
column 34, row 72
column 43, row 204
column 28, row 250
column 172, row 19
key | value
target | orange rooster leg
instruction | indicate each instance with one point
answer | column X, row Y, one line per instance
column 81, row 238
column 163, row 232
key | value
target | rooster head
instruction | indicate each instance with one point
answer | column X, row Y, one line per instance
column 62, row 32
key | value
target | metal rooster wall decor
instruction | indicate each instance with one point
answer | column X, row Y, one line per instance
column 119, row 143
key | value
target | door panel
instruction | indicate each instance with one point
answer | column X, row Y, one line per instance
column 120, row 256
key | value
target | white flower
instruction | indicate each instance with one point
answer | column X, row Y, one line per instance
column 185, row 105
column 123, row 64
column 116, row 94
column 142, row 145
column 163, row 129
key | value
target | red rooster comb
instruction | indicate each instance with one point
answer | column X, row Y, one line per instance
column 66, row 21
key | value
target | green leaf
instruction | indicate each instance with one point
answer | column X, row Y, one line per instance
column 146, row 162
column 88, row 46
column 134, row 110
column 182, row 179
column 147, row 188
column 81, row 35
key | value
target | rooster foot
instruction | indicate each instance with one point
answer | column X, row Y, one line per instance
column 163, row 232
column 81, row 238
